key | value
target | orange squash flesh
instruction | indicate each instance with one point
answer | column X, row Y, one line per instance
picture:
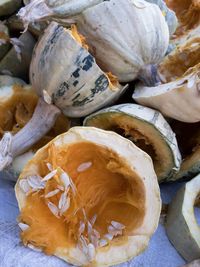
column 108, row 189
column 113, row 81
column 188, row 13
column 79, row 37
column 18, row 110
column 175, row 65
column 4, row 36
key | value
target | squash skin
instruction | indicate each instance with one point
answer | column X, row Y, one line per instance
column 53, row 9
column 170, row 15
column 72, row 7
column 178, row 99
column 126, row 149
column 181, row 227
column 177, row 96
column 69, row 74
column 128, row 54
column 155, row 121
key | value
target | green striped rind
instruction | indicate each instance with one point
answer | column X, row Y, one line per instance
column 182, row 228
column 70, row 74
column 155, row 120
column 190, row 165
column 190, row 173
column 170, row 15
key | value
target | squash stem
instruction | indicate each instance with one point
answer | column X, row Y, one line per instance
column 42, row 121
column 149, row 75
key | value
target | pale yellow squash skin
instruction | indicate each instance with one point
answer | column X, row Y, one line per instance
column 140, row 163
column 125, row 36
column 70, row 75
column 177, row 95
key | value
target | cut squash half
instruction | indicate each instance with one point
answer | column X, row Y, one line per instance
column 147, row 129
column 188, row 137
column 177, row 95
column 182, row 227
column 17, row 104
column 188, row 14
column 89, row 197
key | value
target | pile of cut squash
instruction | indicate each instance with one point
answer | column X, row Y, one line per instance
column 99, row 105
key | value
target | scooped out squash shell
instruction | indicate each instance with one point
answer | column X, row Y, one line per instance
column 17, row 104
column 188, row 137
column 188, row 14
column 177, row 95
column 118, row 185
column 147, row 129
column 181, row 226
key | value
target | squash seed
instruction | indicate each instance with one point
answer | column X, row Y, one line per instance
column 49, row 166
column 91, row 252
column 117, row 225
column 23, row 226
column 35, row 182
column 102, row 243
column 84, row 166
column 81, row 227
column 34, row 248
column 49, row 176
column 113, row 231
column 53, row 209
column 93, row 220
column 52, row 193
column 24, row 185
column 108, row 236
column 65, row 179
column 47, row 98
column 64, row 203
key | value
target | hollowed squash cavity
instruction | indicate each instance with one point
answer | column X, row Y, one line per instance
column 17, row 109
column 176, row 64
column 140, row 133
column 103, row 189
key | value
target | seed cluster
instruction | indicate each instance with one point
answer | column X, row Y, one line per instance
column 89, row 239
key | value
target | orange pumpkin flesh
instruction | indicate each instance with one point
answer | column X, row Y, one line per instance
column 17, row 110
column 188, row 13
column 113, row 81
column 104, row 189
column 176, row 64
